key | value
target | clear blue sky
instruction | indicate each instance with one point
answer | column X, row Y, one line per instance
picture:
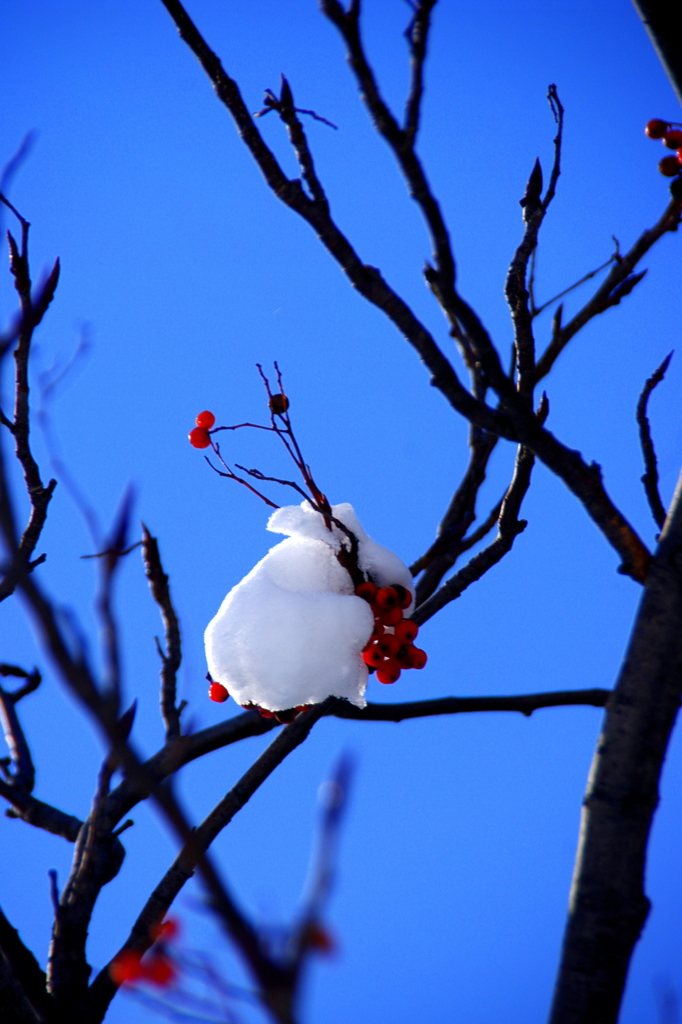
column 457, row 855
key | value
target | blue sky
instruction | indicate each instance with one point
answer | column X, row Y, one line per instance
column 183, row 271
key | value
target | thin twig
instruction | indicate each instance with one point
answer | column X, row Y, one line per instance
column 650, row 478
column 305, row 936
column 509, row 527
column 417, row 35
column 516, row 290
column 526, row 704
column 39, row 814
column 536, row 310
column 297, row 137
column 115, row 548
column 171, row 656
column 619, row 282
column 443, row 553
column 33, row 308
column 22, row 774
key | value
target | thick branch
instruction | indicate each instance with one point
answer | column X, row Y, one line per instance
column 608, row 906
column 23, row 997
column 98, row 856
column 663, row 29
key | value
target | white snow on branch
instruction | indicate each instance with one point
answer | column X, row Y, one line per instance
column 292, row 631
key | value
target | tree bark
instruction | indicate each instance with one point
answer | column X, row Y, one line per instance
column 663, row 27
column 608, row 906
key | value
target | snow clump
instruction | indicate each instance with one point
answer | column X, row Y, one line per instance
column 292, row 632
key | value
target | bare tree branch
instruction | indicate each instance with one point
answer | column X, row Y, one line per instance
column 39, row 814
column 22, row 982
column 516, row 290
column 650, row 478
column 663, row 31
column 618, row 283
column 443, row 553
column 526, row 704
column 32, row 311
column 22, row 774
column 98, row 856
column 417, row 34
column 115, row 548
column 536, row 310
column 171, row 657
column 514, row 422
column 508, row 529
column 608, row 907
column 275, row 980
column 367, row 280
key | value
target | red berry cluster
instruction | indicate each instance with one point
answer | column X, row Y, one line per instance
column 128, row 967
column 390, row 648
column 199, row 436
column 671, row 136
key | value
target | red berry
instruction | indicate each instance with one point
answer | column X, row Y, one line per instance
column 406, row 631
column 656, row 129
column 389, row 673
column 373, row 656
column 673, row 138
column 218, row 693
column 391, row 617
column 126, row 967
column 320, row 939
column 418, row 657
column 159, row 970
column 286, row 716
column 389, row 645
column 403, row 657
column 386, row 597
column 679, row 156
column 404, row 595
column 205, row 419
column 366, row 590
column 168, row 929
column 669, row 166
column 198, row 437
